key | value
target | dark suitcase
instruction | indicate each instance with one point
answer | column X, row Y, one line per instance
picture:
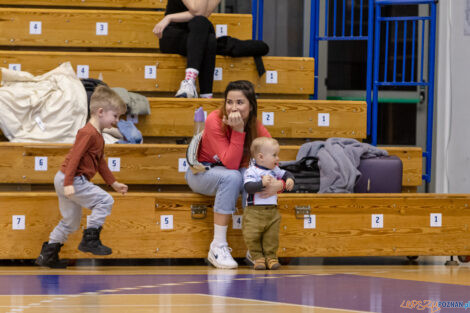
column 380, row 175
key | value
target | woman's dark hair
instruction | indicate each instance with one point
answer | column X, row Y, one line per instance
column 251, row 129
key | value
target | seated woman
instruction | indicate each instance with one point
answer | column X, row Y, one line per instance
column 225, row 146
column 186, row 30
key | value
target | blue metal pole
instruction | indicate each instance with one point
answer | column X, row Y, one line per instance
column 403, row 74
column 260, row 19
column 254, row 15
column 352, row 18
column 311, row 48
column 412, row 79
column 395, row 53
column 314, row 44
column 387, row 26
column 325, row 33
column 432, row 56
column 375, row 110
column 370, row 42
column 314, row 26
column 334, row 18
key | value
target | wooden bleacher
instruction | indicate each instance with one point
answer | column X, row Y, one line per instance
column 155, row 164
column 77, row 28
column 124, row 4
column 343, row 221
column 118, row 69
column 173, row 117
column 343, row 225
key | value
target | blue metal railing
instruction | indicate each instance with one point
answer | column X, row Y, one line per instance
column 373, row 38
column 257, row 8
column 393, row 25
column 332, row 34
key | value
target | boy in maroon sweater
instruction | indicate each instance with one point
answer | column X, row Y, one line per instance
column 73, row 186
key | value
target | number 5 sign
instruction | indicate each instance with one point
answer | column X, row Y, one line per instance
column 166, row 222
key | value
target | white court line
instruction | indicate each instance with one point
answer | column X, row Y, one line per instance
column 257, row 303
column 285, row 303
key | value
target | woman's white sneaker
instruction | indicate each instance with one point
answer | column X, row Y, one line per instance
column 220, row 257
column 187, row 90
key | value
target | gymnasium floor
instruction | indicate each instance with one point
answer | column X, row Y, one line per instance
column 338, row 287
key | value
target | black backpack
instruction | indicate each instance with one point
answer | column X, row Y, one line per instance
column 90, row 84
column 306, row 174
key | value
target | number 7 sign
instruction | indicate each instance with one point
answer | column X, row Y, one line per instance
column 18, row 222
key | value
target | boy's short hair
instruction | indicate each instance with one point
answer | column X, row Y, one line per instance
column 107, row 99
column 260, row 142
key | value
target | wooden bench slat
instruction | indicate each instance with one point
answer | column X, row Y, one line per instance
column 172, row 117
column 77, row 28
column 134, row 4
column 146, row 163
column 295, row 74
column 343, row 226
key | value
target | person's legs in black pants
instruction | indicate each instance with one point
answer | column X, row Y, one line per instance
column 200, row 29
column 206, row 73
column 201, row 47
column 197, row 42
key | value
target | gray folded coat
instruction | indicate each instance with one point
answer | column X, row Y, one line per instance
column 136, row 103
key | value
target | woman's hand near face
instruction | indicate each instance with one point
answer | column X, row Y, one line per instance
column 235, row 121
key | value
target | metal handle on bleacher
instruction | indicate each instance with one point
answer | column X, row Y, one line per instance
column 301, row 211
column 198, row 211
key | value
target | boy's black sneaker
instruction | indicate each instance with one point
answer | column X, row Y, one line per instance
column 91, row 242
column 49, row 256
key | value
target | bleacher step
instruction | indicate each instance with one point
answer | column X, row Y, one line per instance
column 156, row 72
column 159, row 164
column 159, row 225
column 66, row 28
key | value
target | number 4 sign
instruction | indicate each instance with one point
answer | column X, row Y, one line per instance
column 35, row 28
column 237, row 221
column 83, row 71
column 182, row 165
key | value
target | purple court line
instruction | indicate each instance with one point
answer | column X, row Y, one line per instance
column 342, row 291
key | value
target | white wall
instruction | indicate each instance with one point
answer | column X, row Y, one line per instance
column 452, row 132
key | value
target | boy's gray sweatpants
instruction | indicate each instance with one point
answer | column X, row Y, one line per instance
column 87, row 195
